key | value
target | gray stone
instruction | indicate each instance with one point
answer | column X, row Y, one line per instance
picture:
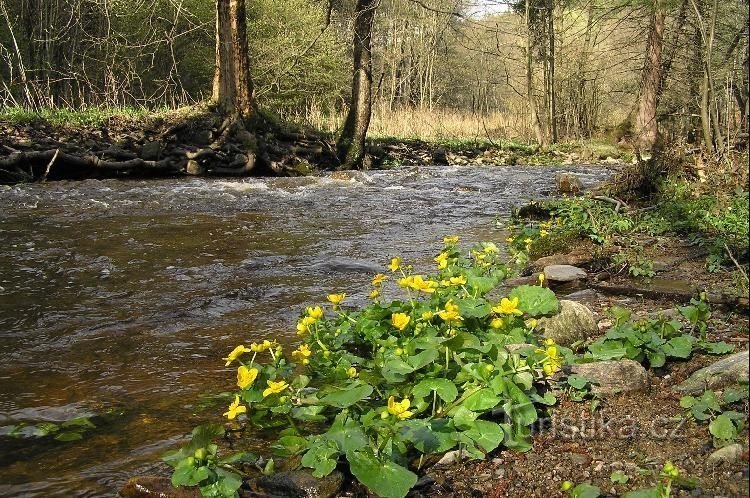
column 613, row 376
column 575, row 322
column 300, row 484
column 568, row 183
column 564, row 273
column 194, row 168
column 440, row 156
column 727, row 454
column 151, row 151
column 585, row 295
column 730, row 370
column 451, row 458
column 156, row 487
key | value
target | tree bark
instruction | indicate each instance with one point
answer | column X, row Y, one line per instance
column 535, row 125
column 232, row 89
column 351, row 146
column 552, row 96
column 647, row 128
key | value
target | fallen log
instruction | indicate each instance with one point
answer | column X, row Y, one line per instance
column 674, row 294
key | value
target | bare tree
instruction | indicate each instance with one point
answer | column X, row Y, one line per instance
column 647, row 128
column 232, row 89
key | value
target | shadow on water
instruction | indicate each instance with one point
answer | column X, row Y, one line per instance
column 119, row 299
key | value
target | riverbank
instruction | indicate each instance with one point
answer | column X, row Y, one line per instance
column 196, row 142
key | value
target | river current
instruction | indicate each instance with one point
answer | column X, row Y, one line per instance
column 118, row 299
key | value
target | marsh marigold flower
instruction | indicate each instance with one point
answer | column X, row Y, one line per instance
column 236, row 353
column 400, row 320
column 303, row 326
column 441, row 260
column 235, row 408
column 496, row 323
column 275, row 387
column 263, row 346
column 302, row 354
column 351, row 372
column 374, row 294
column 451, row 239
column 379, row 279
column 246, row 376
column 508, row 307
column 399, row 409
column 541, row 279
column 459, row 280
column 450, row 313
column 315, row 312
column 336, row 299
column 395, row 264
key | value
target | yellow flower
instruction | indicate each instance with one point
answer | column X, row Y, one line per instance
column 275, row 387
column 336, row 299
column 351, row 372
column 303, row 326
column 259, row 348
column 442, row 260
column 418, row 283
column 236, row 353
column 235, row 408
column 528, row 241
column 509, row 240
column 246, row 376
column 451, row 239
column 427, row 316
column 543, row 232
column 541, row 279
column 379, row 279
column 549, row 342
column 450, row 314
column 395, row 264
column 550, row 369
column 316, row 312
column 399, row 409
column 400, row 320
column 460, row 280
column 496, row 323
column 532, row 323
column 374, row 294
column 508, row 307
column 302, row 354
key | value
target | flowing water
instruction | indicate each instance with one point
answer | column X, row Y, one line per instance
column 118, row 299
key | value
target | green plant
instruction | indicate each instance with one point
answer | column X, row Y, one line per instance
column 668, row 475
column 618, row 477
column 724, row 426
column 583, row 490
column 381, row 387
column 70, row 430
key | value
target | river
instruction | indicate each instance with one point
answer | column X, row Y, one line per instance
column 118, row 299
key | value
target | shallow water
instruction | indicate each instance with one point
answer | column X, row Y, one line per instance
column 119, row 298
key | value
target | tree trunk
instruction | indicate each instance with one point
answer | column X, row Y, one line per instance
column 232, row 89
column 552, row 96
column 646, row 125
column 535, row 125
column 351, row 143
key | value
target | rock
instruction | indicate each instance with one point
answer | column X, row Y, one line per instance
column 451, row 458
column 727, row 454
column 568, row 183
column 730, row 370
column 300, row 484
column 156, row 487
column 582, row 296
column 151, row 151
column 345, row 265
column 564, row 273
column 613, row 376
column 440, row 156
column 575, row 322
column 194, row 168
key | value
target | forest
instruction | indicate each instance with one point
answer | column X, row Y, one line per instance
column 322, row 248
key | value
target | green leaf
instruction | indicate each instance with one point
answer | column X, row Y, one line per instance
column 481, row 285
column 386, row 479
column 585, row 490
column 644, row 493
column 679, row 347
column 428, row 437
column 322, row 457
column 716, row 347
column 349, row 396
column 723, row 428
column 185, row 474
column 347, row 433
column 69, row 436
column 688, row 401
column 80, row 422
column 520, row 409
column 577, row 381
column 488, row 435
column 423, row 359
column 656, row 359
column 288, row 446
column 309, row 413
column 463, row 417
column 535, row 301
column 481, row 401
column 618, row 477
column 444, row 388
column 395, row 370
column 473, row 307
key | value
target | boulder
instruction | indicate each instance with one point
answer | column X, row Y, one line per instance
column 730, row 370
column 156, row 487
column 613, row 376
column 151, row 151
column 575, row 322
column 440, row 156
column 568, row 183
column 564, row 273
column 727, row 454
column 301, row 484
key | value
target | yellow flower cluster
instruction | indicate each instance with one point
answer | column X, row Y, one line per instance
column 336, row 299
column 418, row 283
column 377, row 281
column 236, row 353
column 302, row 354
column 275, row 387
column 552, row 360
column 246, row 376
column 450, row 240
column 263, row 346
column 454, row 281
column 508, row 307
column 312, row 315
column 395, row 264
column 441, row 260
column 399, row 409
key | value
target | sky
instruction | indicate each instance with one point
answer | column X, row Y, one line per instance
column 484, row 7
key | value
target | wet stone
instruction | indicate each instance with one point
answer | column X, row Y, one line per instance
column 564, row 273
column 614, row 376
column 300, row 484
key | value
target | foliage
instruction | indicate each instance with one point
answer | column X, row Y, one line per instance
column 382, row 386
column 655, row 339
column 724, row 425
column 70, row 430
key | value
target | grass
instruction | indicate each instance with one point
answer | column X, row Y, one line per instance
column 88, row 117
